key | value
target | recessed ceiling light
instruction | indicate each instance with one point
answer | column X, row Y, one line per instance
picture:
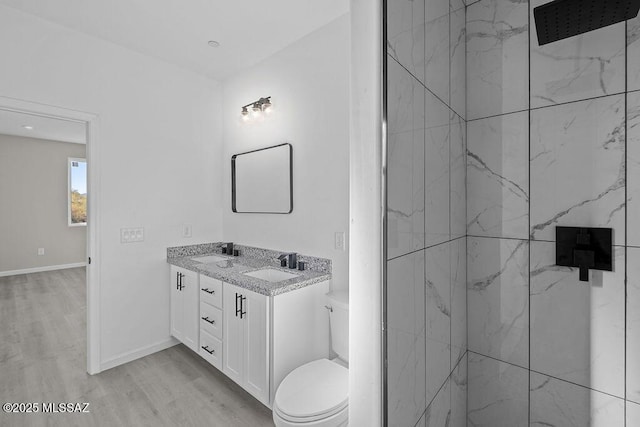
column 213, row 43
column 27, row 127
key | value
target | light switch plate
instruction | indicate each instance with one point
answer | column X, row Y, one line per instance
column 339, row 240
column 186, row 230
column 131, row 235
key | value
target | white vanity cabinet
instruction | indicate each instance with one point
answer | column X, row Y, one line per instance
column 246, row 338
column 184, row 306
column 255, row 339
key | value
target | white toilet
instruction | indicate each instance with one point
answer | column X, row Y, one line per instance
column 317, row 393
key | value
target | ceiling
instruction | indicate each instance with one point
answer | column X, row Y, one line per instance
column 11, row 123
column 177, row 31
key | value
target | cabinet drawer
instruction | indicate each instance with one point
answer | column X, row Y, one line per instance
column 211, row 291
column 211, row 349
column 211, row 320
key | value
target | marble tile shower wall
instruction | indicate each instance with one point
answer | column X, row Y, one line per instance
column 426, row 267
column 553, row 138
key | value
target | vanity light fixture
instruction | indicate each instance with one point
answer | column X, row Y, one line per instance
column 262, row 105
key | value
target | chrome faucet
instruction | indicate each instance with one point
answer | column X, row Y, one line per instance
column 290, row 260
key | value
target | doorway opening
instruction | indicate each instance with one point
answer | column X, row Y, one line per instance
column 79, row 128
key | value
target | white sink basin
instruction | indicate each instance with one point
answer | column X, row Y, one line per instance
column 209, row 259
column 271, row 275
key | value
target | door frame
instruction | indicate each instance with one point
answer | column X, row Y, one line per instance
column 91, row 122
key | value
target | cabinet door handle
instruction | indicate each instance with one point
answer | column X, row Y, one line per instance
column 206, row 319
column 180, row 275
column 206, row 348
column 242, row 312
column 178, row 280
column 238, row 311
column 209, row 291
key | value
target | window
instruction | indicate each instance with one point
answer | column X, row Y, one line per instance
column 77, row 192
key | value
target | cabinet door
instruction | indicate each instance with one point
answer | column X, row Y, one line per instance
column 256, row 347
column 191, row 309
column 233, row 333
column 177, row 323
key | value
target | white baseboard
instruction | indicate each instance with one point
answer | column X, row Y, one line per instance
column 41, row 269
column 137, row 354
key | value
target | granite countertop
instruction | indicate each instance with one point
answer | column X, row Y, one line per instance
column 231, row 270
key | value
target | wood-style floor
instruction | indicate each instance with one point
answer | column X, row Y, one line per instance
column 43, row 359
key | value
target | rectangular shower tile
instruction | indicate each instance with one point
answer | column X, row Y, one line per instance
column 633, row 325
column 633, row 54
column 405, row 34
column 498, row 298
column 458, row 67
column 498, row 393
column 438, row 316
column 405, row 182
column 577, row 328
column 458, row 299
column 559, row 403
column 458, row 384
column 458, row 168
column 578, row 167
column 405, row 335
column 436, row 56
column 498, row 176
column 577, row 68
column 633, row 168
column 497, row 58
column 436, row 185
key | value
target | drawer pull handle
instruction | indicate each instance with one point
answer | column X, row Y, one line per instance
column 206, row 348
column 209, row 291
column 206, row 319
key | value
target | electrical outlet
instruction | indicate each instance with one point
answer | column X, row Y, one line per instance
column 186, row 230
column 40, row 251
column 339, row 240
column 130, row 235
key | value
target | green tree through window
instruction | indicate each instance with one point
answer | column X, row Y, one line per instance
column 77, row 192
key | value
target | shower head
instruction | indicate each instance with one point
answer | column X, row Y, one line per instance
column 561, row 19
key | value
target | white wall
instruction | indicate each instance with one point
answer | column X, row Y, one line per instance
column 34, row 177
column 159, row 139
column 366, row 256
column 309, row 85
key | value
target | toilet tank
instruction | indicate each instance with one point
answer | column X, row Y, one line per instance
column 339, row 323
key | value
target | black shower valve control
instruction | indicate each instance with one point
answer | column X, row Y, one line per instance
column 584, row 248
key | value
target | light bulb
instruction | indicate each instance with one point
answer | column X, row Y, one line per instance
column 257, row 111
column 245, row 114
column 267, row 107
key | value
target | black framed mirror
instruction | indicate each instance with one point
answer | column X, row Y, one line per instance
column 262, row 180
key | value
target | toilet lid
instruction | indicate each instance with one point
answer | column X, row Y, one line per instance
column 318, row 388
